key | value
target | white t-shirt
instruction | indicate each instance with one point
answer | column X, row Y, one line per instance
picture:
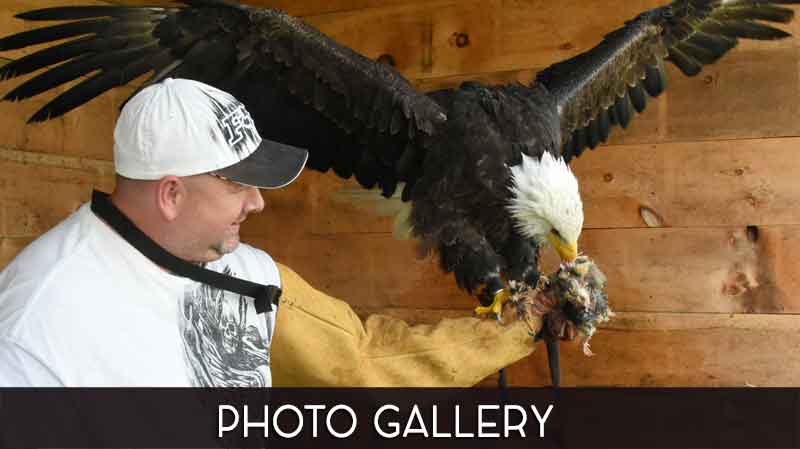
column 82, row 307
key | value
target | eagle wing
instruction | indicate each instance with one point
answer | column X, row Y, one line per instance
column 358, row 116
column 609, row 84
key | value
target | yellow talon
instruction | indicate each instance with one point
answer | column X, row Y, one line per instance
column 496, row 307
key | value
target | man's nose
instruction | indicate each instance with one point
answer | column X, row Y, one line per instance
column 254, row 202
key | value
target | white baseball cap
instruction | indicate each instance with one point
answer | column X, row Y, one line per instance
column 182, row 127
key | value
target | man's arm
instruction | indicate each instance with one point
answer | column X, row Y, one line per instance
column 320, row 341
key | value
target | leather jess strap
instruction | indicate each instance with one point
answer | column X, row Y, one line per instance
column 264, row 296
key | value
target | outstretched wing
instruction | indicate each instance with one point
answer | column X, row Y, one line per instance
column 302, row 88
column 608, row 84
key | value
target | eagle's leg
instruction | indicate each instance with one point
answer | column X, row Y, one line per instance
column 521, row 257
column 522, row 265
column 496, row 305
column 521, row 268
column 476, row 265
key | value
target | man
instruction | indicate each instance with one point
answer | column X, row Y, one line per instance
column 107, row 298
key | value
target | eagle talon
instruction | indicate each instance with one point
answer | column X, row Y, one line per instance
column 496, row 307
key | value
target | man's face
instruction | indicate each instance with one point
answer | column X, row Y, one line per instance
column 212, row 213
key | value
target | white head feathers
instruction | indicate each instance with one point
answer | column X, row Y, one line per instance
column 545, row 196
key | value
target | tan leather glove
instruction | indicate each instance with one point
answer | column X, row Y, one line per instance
column 320, row 341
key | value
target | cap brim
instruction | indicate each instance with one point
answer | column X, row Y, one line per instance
column 272, row 166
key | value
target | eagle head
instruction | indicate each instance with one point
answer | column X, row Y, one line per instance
column 545, row 203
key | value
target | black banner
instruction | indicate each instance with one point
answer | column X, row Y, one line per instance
column 399, row 418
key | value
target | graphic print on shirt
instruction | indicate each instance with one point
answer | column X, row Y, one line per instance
column 224, row 343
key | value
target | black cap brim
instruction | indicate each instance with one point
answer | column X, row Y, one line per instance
column 273, row 165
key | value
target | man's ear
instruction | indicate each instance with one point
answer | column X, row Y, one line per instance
column 170, row 197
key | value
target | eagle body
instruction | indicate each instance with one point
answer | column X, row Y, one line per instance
column 457, row 181
column 489, row 128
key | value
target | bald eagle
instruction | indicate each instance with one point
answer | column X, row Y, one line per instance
column 484, row 168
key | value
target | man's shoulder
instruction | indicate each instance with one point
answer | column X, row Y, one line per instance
column 245, row 250
column 52, row 248
column 32, row 275
column 256, row 264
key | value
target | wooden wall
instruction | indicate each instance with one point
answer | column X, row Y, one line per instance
column 693, row 212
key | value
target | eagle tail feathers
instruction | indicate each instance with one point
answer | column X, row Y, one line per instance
column 373, row 200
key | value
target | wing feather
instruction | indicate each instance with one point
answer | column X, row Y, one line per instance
column 355, row 115
column 627, row 67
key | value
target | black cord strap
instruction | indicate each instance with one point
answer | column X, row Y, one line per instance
column 264, row 296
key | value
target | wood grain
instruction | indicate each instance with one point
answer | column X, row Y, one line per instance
column 38, row 191
column 715, row 183
column 85, row 132
column 698, row 270
column 676, row 350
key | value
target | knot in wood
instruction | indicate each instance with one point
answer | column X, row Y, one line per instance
column 753, row 233
column 461, row 39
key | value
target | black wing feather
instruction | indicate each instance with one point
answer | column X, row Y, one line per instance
column 74, row 69
column 83, row 12
column 628, row 65
column 52, row 33
column 353, row 114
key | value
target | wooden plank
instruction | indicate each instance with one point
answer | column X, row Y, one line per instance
column 84, row 132
column 716, row 183
column 502, row 35
column 724, row 269
column 369, row 270
column 537, row 34
column 716, row 105
column 317, row 7
column 38, row 191
column 698, row 270
column 297, row 8
column 287, row 212
column 334, row 210
column 422, row 38
column 676, row 350
column 514, row 35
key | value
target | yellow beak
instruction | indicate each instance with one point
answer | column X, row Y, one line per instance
column 567, row 251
